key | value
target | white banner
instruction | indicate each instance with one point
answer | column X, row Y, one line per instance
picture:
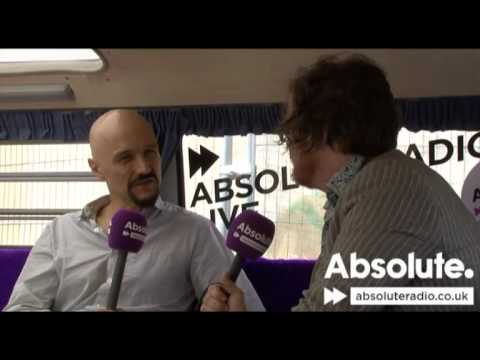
column 411, row 296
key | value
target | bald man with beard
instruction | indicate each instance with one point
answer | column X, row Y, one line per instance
column 71, row 265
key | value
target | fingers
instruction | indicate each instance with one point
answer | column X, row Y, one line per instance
column 213, row 305
column 216, row 291
column 229, row 286
column 215, row 299
column 223, row 295
column 236, row 299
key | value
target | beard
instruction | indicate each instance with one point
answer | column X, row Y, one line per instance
column 148, row 201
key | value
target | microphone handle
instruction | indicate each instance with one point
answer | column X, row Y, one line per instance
column 116, row 280
column 236, row 267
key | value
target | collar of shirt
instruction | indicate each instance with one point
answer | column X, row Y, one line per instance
column 339, row 181
column 90, row 210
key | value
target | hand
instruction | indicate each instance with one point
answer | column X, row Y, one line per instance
column 223, row 295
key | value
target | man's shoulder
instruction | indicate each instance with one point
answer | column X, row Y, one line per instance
column 191, row 226
column 396, row 179
column 65, row 222
column 181, row 213
column 395, row 160
column 68, row 218
column 391, row 177
column 395, row 169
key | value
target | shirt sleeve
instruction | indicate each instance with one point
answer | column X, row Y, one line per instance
column 211, row 259
column 37, row 284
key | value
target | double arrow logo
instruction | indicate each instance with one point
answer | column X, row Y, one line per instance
column 204, row 160
column 336, row 296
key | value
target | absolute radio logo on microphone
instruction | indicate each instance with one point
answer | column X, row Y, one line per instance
column 134, row 231
column 252, row 238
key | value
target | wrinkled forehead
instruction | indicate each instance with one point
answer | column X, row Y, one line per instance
column 131, row 138
column 135, row 131
column 121, row 135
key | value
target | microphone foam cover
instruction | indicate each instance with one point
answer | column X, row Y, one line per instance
column 127, row 231
column 250, row 234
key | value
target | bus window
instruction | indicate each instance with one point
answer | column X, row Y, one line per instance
column 224, row 175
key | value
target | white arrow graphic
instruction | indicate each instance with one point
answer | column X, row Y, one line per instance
column 335, row 296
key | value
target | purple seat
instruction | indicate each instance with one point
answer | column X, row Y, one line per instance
column 279, row 283
column 12, row 260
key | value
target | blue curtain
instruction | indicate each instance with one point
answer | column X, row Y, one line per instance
column 170, row 124
column 439, row 114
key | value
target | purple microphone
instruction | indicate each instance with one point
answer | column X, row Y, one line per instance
column 249, row 235
column 126, row 234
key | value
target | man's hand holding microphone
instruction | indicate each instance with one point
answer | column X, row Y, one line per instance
column 249, row 235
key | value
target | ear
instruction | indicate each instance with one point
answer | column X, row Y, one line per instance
column 95, row 169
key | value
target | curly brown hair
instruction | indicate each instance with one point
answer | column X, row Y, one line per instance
column 343, row 102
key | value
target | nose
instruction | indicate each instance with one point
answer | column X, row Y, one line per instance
column 142, row 166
